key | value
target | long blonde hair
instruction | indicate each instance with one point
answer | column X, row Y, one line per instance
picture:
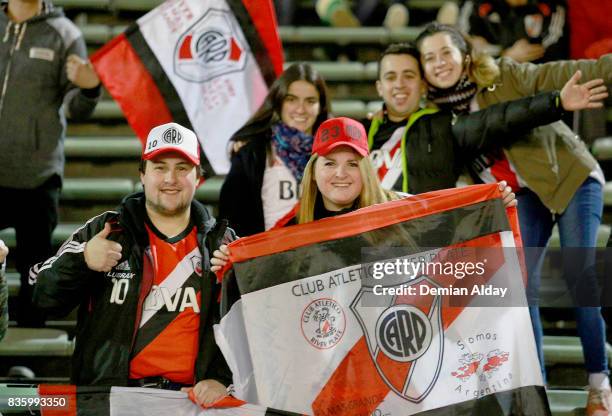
column 371, row 192
column 481, row 67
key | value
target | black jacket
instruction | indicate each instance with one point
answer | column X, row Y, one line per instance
column 240, row 199
column 439, row 146
column 106, row 328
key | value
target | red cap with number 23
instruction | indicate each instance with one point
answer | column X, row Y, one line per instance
column 340, row 131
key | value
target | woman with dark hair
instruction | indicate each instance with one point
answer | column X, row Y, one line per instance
column 556, row 178
column 271, row 151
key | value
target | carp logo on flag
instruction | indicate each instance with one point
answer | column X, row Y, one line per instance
column 405, row 339
column 211, row 47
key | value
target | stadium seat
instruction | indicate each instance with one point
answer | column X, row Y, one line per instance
column 96, row 189
column 425, row 4
column 136, row 5
column 371, row 70
column 109, row 110
column 36, row 342
column 98, row 34
column 607, row 194
column 61, row 234
column 12, row 278
column 567, row 402
column 339, row 71
column 349, row 108
column 83, row 4
column 374, row 106
column 565, row 350
column 209, row 191
column 602, row 237
column 602, row 148
column 345, row 36
column 102, row 147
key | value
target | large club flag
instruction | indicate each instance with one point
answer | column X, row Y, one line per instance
column 313, row 333
column 205, row 64
column 67, row 400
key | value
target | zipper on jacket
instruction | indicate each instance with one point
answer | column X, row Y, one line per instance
column 7, row 31
column 16, row 30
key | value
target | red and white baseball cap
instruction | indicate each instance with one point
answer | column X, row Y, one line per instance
column 340, row 131
column 172, row 137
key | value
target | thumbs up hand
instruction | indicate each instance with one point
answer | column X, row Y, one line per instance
column 101, row 255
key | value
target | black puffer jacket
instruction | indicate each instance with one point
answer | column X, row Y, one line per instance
column 106, row 328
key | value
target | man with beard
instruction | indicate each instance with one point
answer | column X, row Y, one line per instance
column 140, row 275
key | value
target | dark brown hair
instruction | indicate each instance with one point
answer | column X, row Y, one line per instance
column 269, row 112
column 404, row 48
column 481, row 66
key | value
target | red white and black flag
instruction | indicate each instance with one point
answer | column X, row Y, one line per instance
column 64, row 400
column 311, row 333
column 205, row 64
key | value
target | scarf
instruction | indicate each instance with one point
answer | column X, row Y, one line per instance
column 293, row 147
column 456, row 98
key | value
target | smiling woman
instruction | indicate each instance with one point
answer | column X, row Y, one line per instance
column 339, row 176
column 442, row 63
column 301, row 106
column 559, row 181
column 271, row 151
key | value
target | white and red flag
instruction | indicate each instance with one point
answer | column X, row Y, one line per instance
column 311, row 334
column 205, row 64
column 70, row 400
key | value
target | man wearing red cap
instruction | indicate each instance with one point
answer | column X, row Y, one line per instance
column 140, row 276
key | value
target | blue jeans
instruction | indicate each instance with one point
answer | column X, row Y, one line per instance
column 577, row 228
